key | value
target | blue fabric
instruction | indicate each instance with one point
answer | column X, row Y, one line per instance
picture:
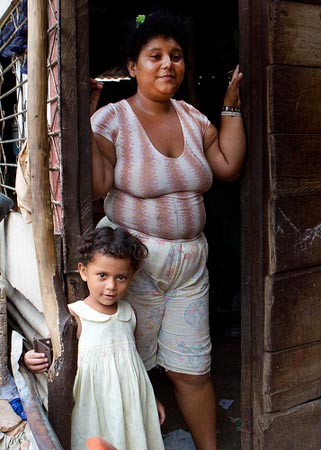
column 18, row 45
column 16, row 405
column 179, row 440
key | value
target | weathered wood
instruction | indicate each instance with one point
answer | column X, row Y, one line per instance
column 295, row 233
column 295, row 164
column 292, row 364
column 295, row 34
column 3, row 337
column 69, row 129
column 61, row 330
column 284, row 161
column 60, row 398
column 254, row 109
column 39, row 164
column 296, row 429
column 292, row 377
column 293, row 310
column 76, row 152
column 84, row 149
column 294, row 94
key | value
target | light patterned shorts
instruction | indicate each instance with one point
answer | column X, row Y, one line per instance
column 170, row 297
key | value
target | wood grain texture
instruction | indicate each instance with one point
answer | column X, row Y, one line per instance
column 295, row 233
column 296, row 429
column 292, row 377
column 295, row 34
column 294, row 99
column 295, row 162
column 293, row 310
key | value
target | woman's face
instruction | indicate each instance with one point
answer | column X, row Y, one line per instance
column 159, row 69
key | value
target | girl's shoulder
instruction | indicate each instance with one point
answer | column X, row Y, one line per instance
column 84, row 311
column 124, row 312
column 73, row 307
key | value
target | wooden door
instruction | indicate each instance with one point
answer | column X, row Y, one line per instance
column 281, row 225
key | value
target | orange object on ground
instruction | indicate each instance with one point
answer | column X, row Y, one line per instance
column 96, row 443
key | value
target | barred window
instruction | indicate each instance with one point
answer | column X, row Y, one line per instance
column 13, row 93
column 13, row 100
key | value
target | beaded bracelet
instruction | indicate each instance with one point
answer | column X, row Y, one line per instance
column 231, row 109
column 231, row 113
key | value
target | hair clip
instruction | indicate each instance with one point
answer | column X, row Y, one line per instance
column 140, row 19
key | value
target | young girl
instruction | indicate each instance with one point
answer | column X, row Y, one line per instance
column 114, row 398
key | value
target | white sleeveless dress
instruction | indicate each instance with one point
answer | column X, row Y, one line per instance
column 114, row 398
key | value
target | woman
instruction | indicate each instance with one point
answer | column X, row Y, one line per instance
column 152, row 159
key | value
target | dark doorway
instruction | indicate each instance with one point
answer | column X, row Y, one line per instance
column 215, row 55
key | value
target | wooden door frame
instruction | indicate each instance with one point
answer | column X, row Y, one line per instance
column 253, row 57
column 77, row 199
column 75, row 113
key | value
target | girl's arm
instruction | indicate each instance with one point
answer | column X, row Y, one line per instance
column 38, row 362
column 161, row 412
column 78, row 321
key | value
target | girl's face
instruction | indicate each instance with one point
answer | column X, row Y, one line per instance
column 108, row 279
column 159, row 69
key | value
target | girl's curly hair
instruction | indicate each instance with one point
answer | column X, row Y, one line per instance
column 118, row 243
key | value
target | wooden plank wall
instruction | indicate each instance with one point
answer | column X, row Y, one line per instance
column 292, row 362
column 77, row 218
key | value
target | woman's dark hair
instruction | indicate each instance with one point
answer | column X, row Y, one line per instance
column 160, row 22
column 118, row 243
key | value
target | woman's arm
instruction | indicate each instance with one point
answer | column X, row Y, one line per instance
column 103, row 157
column 103, row 160
column 225, row 150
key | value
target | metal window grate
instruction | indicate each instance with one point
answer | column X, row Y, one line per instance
column 13, row 100
column 12, row 94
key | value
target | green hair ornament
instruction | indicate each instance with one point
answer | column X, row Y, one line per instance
column 140, row 19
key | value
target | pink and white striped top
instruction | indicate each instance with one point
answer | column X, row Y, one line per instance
column 155, row 194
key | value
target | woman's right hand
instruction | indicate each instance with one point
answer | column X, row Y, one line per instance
column 95, row 91
column 36, row 362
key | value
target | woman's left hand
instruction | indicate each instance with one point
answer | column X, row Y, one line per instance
column 232, row 95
